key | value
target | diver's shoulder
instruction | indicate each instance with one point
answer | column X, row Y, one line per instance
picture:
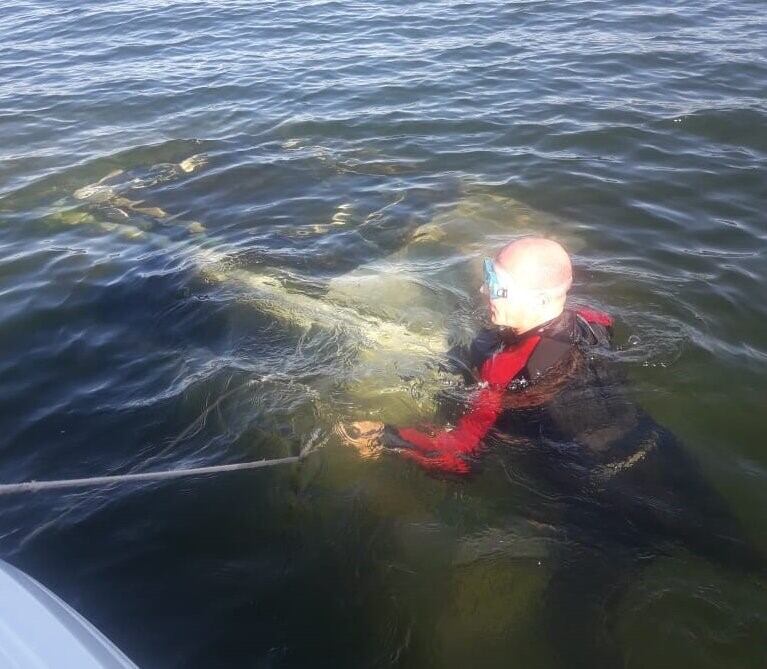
column 466, row 358
column 595, row 326
column 486, row 342
column 594, row 316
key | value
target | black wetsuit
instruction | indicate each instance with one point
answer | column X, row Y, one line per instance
column 623, row 486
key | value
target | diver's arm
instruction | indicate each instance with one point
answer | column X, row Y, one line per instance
column 449, row 450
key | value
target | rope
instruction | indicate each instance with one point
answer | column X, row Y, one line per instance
column 37, row 486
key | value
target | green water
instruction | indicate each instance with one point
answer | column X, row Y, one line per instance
column 292, row 199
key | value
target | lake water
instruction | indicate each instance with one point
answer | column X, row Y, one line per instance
column 184, row 190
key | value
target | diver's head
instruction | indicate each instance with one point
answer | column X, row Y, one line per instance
column 527, row 283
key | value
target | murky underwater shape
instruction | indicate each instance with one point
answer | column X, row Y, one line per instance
column 224, row 227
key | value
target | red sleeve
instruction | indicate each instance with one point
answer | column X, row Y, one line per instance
column 598, row 317
column 447, row 449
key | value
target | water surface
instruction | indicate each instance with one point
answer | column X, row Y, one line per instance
column 150, row 152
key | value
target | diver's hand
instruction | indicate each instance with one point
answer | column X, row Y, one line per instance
column 364, row 436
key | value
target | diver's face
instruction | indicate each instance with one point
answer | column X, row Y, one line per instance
column 523, row 311
column 509, row 312
column 507, row 305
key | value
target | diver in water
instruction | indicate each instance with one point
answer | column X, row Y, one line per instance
column 622, row 485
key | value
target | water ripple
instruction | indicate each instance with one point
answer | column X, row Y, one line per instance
column 168, row 170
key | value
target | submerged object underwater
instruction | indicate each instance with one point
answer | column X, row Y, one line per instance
column 392, row 319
